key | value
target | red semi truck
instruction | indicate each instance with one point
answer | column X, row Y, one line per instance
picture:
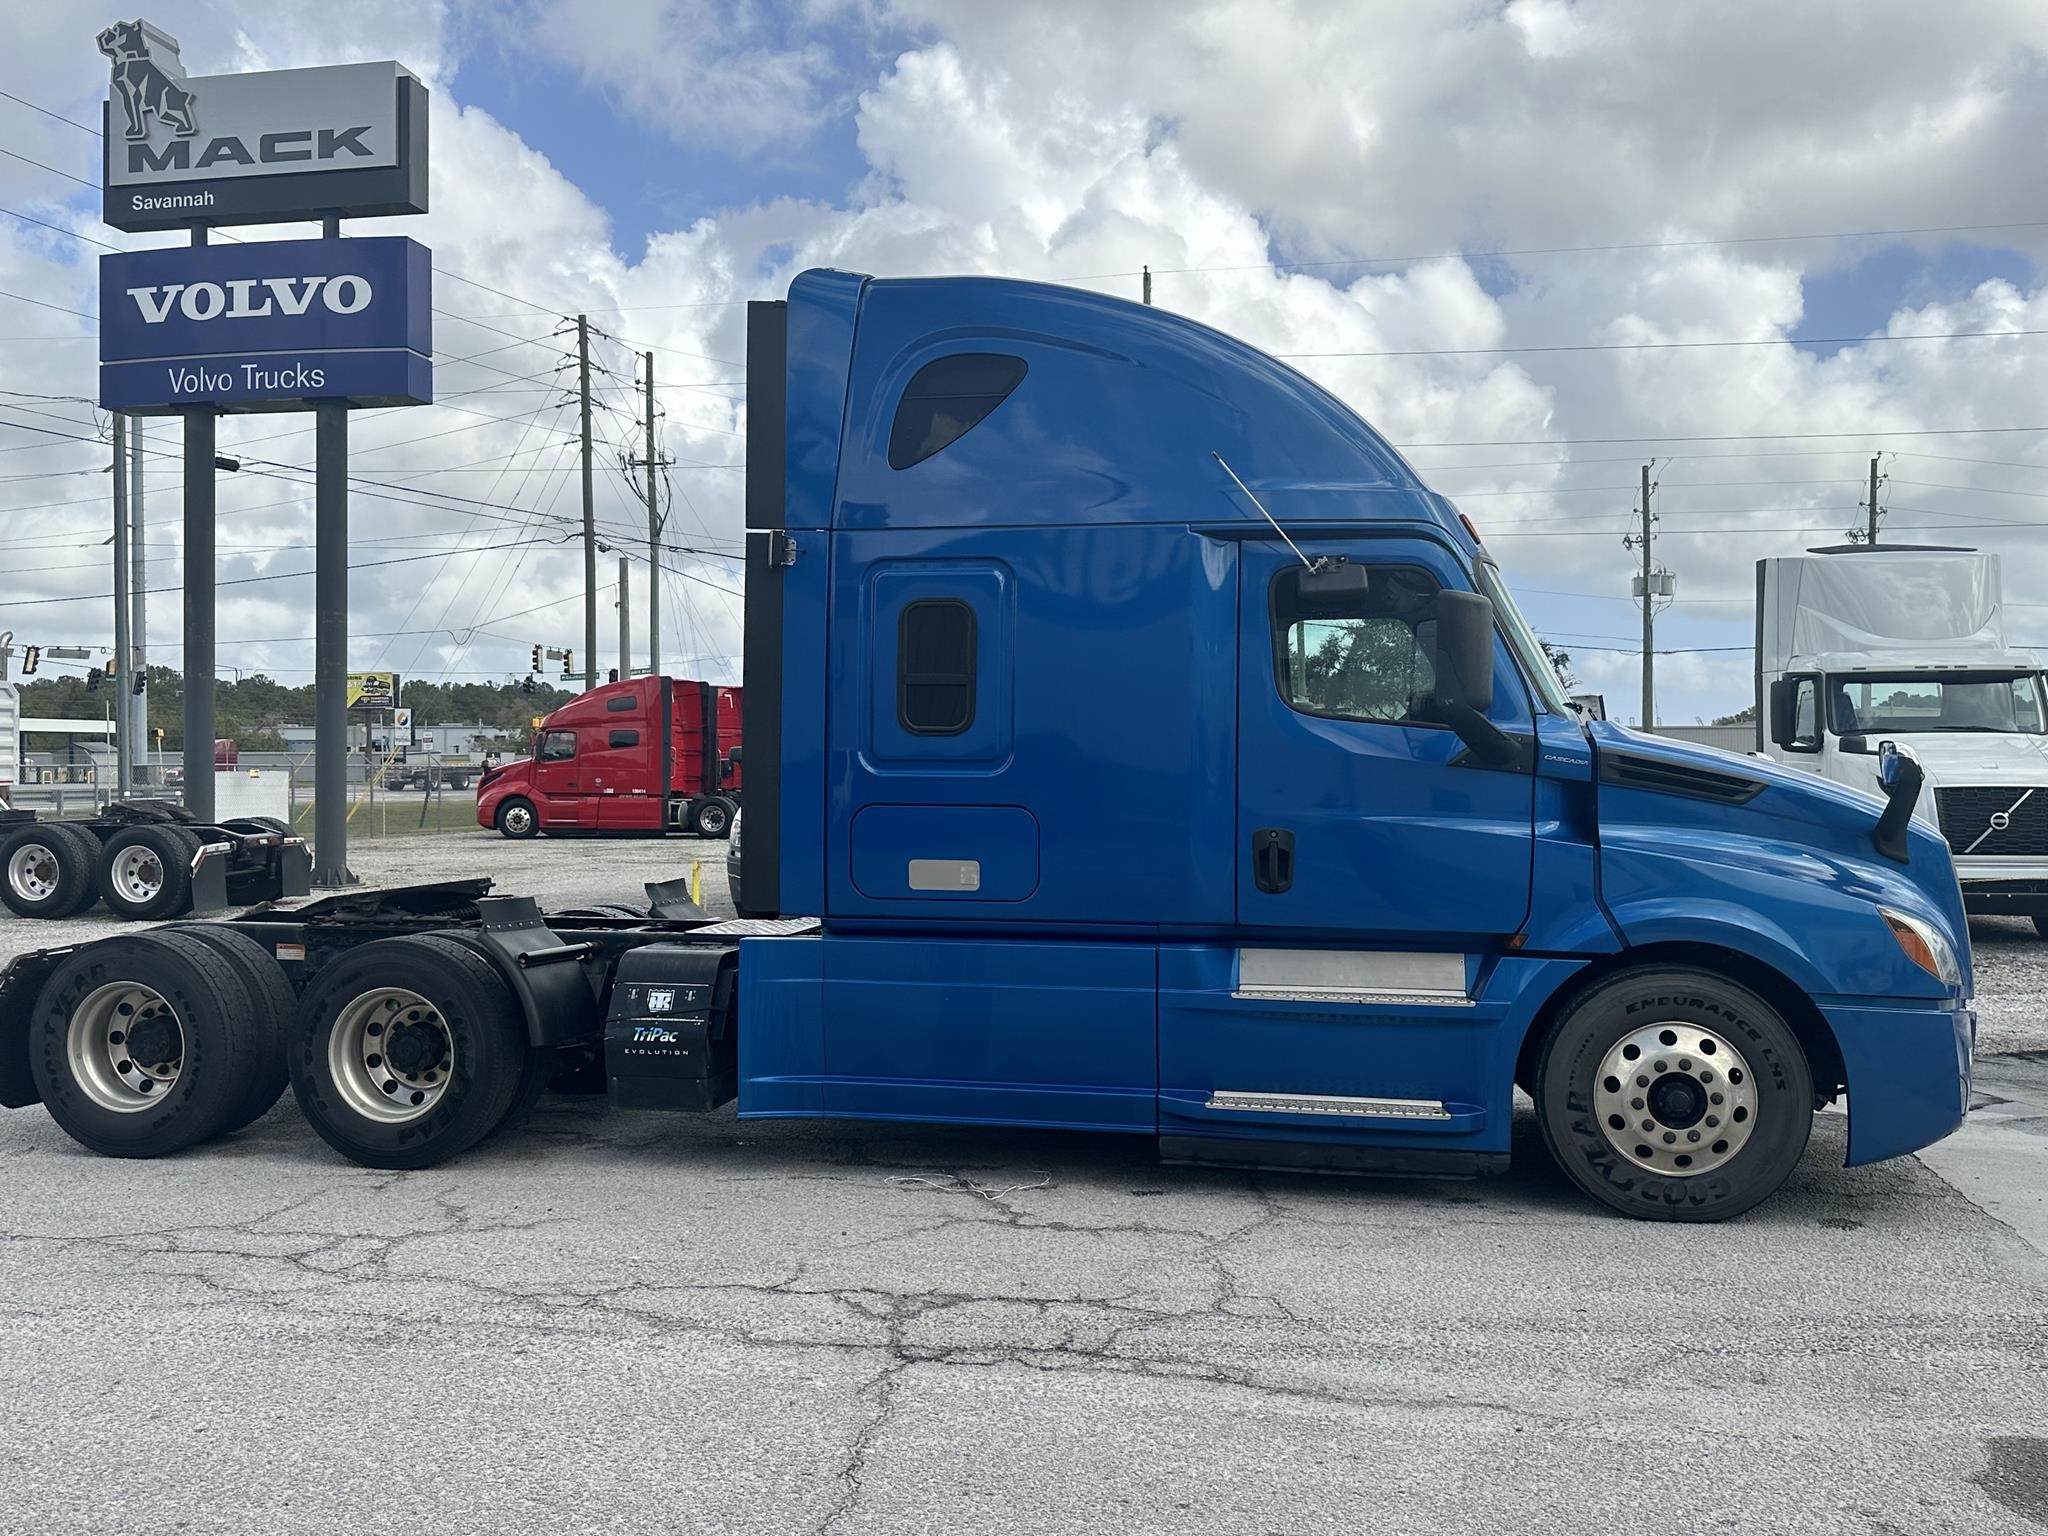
column 653, row 755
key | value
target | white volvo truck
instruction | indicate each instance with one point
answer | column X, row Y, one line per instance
column 1857, row 646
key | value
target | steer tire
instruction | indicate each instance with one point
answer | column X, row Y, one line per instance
column 46, row 870
column 272, row 1001
column 518, row 820
column 168, row 851
column 75, row 1061
column 468, row 1010
column 1706, row 1119
column 712, row 817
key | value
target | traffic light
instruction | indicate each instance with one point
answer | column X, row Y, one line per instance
column 140, row 683
column 526, row 685
column 536, row 661
column 93, row 679
column 30, row 660
column 568, row 662
column 612, row 675
column 159, row 735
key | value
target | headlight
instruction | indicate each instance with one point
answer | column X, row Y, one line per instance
column 1924, row 945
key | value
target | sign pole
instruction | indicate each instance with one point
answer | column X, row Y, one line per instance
column 330, row 634
column 138, row 631
column 200, row 435
column 124, row 655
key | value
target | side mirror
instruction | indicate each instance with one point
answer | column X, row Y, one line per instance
column 1462, row 657
column 1854, row 744
column 1464, row 651
column 1900, row 776
column 1784, row 711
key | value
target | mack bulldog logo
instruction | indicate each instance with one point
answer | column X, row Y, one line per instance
column 149, row 80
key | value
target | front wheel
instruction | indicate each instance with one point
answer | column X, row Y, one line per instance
column 1674, row 1095
column 517, row 819
column 712, row 818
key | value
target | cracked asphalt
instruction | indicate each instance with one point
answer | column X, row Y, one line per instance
column 612, row 1321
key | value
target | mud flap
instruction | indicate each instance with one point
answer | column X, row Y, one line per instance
column 294, row 869
column 21, row 987
column 669, row 901
column 210, row 878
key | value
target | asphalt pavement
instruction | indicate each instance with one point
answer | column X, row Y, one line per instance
column 611, row 1321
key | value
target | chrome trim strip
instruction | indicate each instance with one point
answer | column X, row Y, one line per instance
column 1328, row 1104
column 1405, row 999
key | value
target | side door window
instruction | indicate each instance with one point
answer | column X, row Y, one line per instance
column 557, row 746
column 1359, row 653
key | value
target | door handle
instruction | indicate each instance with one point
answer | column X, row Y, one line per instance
column 1273, row 859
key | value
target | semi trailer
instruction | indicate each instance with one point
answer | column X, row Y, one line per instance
column 1137, row 746
column 648, row 755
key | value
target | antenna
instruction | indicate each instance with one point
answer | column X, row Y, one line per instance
column 1304, row 559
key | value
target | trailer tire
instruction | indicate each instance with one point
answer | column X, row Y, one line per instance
column 517, row 819
column 145, row 872
column 1673, row 1094
column 273, row 1001
column 463, row 1034
column 46, row 870
column 712, row 817
column 88, row 1017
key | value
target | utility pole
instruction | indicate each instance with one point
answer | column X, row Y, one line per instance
column 653, row 532
column 1649, row 586
column 1871, row 537
column 1148, row 285
column 138, row 634
column 589, row 511
column 124, row 655
column 625, row 623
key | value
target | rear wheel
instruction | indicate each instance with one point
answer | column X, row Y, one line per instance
column 712, row 818
column 144, row 1044
column 273, row 1003
column 1674, row 1095
column 407, row 1052
column 46, row 870
column 146, row 872
column 517, row 820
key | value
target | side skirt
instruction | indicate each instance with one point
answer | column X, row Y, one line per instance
column 1324, row 1157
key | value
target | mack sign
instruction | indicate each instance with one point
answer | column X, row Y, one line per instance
column 270, row 326
column 348, row 139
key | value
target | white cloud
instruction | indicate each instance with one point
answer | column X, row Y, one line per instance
column 1066, row 139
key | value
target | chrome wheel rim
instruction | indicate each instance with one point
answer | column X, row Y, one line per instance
column 391, row 1055
column 126, row 1047
column 1675, row 1099
column 712, row 820
column 518, row 819
column 138, row 873
column 32, row 872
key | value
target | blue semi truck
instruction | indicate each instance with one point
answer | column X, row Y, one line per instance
column 1137, row 745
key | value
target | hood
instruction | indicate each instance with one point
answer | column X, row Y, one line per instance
column 1977, row 757
column 1694, row 802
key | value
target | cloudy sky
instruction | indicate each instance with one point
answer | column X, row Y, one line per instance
column 1538, row 243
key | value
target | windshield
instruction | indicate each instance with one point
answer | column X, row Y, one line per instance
column 1955, row 701
column 1522, row 641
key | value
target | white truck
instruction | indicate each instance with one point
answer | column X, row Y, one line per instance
column 1860, row 645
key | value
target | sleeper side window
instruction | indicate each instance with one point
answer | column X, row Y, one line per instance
column 946, row 399
column 935, row 648
column 557, row 746
column 621, row 705
column 1357, row 648
column 624, row 739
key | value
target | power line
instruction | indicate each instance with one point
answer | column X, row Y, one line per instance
column 1657, row 346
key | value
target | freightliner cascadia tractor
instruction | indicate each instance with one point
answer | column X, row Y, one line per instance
column 1135, row 744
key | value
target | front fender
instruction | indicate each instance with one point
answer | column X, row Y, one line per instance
column 1810, row 914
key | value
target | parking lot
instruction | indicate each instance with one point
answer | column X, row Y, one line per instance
column 613, row 1321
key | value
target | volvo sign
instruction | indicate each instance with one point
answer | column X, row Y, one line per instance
column 271, row 326
column 347, row 139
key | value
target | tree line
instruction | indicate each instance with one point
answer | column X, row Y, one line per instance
column 250, row 710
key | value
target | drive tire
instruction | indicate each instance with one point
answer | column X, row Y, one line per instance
column 517, row 819
column 126, row 860
column 467, row 1007
column 216, row 1036
column 46, row 870
column 1733, row 1095
column 2040, row 921
column 712, row 817
column 273, row 1003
